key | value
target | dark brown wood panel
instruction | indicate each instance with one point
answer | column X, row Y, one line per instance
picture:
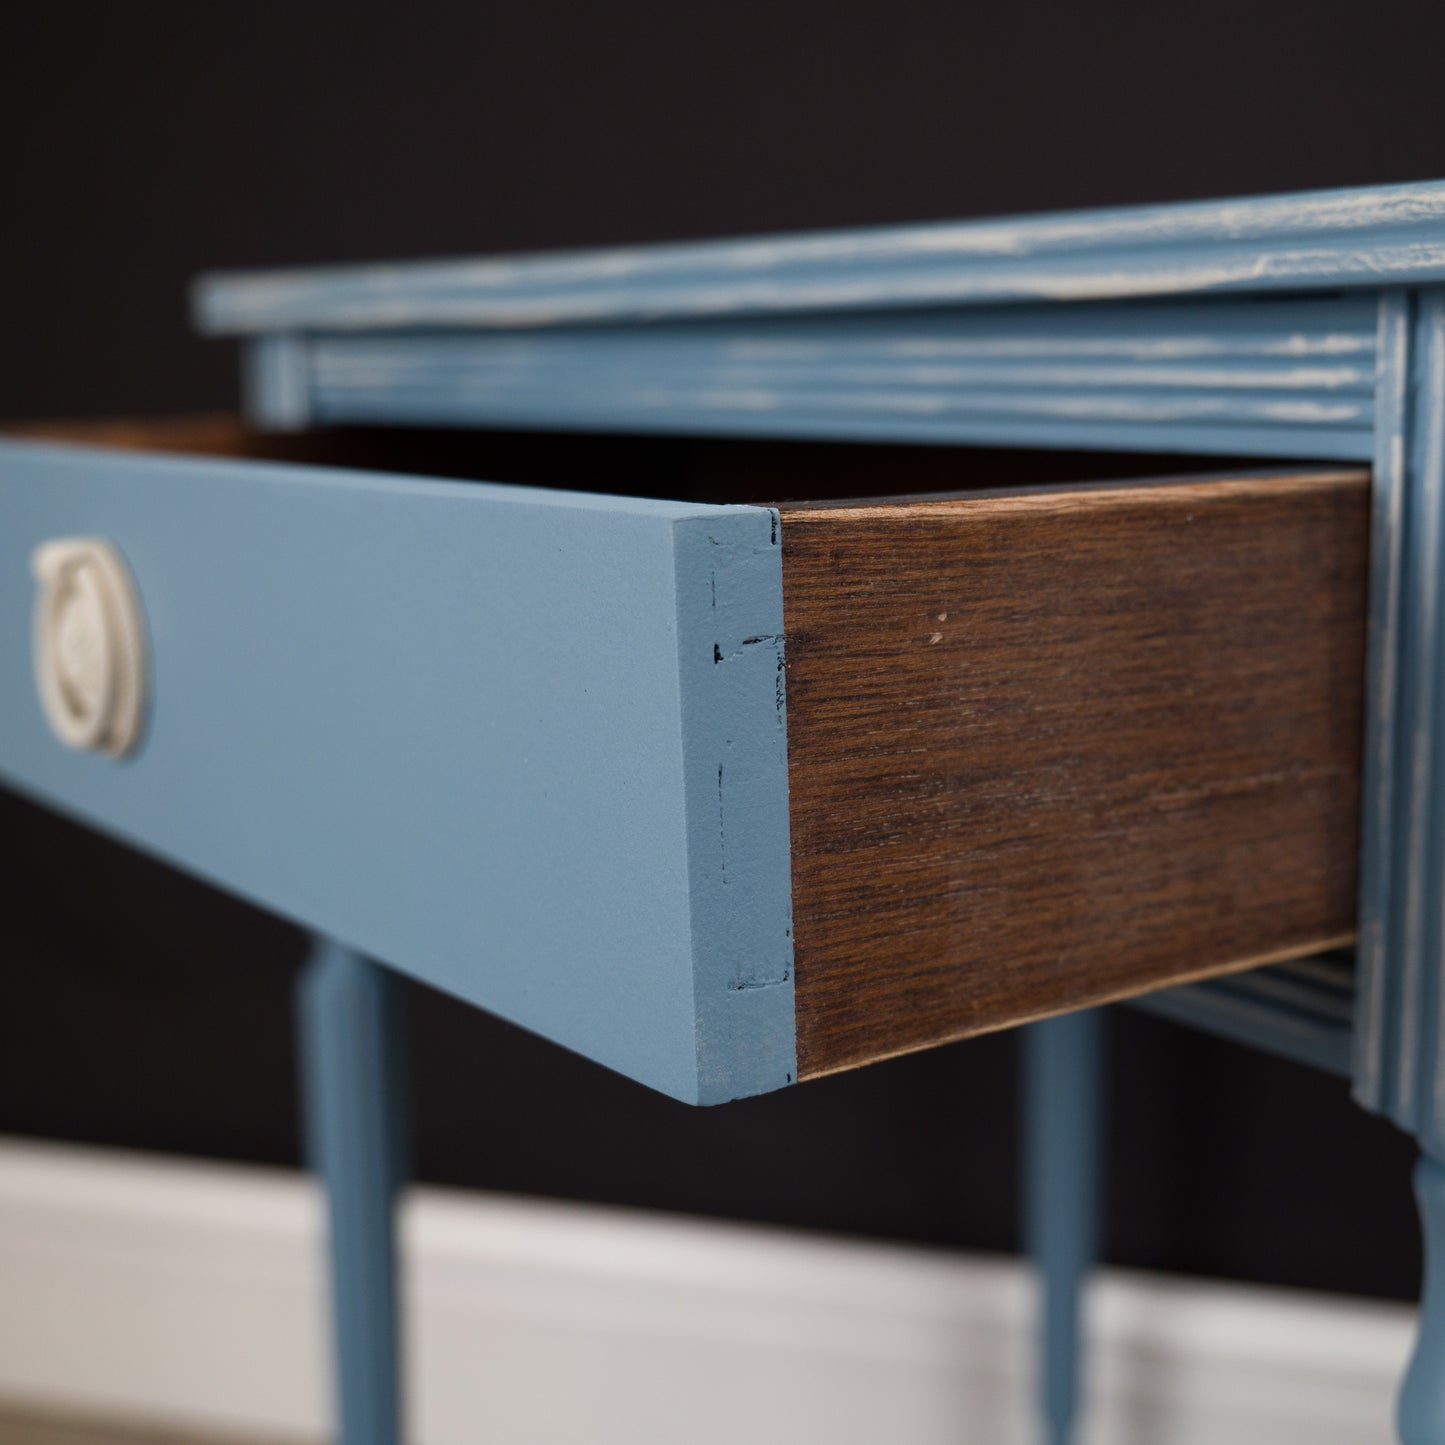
column 1053, row 747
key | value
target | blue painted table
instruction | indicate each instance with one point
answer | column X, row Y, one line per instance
column 1299, row 327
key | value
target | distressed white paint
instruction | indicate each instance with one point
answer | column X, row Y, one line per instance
column 1291, row 378
column 1365, row 237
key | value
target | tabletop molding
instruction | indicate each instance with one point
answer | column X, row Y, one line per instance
column 1365, row 237
column 1263, row 377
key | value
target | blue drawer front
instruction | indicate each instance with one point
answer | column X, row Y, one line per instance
column 479, row 732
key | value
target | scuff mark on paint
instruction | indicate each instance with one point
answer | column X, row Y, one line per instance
column 718, row 655
column 722, row 840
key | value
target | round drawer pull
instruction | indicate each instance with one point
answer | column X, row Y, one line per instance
column 89, row 644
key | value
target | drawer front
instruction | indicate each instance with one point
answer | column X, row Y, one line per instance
column 476, row 731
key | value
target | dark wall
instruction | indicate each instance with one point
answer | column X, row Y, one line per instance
column 146, row 143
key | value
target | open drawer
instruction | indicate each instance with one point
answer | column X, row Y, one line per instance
column 721, row 794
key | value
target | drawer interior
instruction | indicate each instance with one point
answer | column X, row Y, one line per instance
column 692, row 469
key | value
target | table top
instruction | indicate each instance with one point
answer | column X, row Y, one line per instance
column 1367, row 237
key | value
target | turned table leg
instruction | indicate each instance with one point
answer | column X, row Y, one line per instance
column 1421, row 1409
column 351, row 1057
column 1062, row 1059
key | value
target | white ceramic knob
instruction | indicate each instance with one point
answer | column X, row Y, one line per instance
column 89, row 644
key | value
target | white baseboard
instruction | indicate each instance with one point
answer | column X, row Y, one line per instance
column 190, row 1294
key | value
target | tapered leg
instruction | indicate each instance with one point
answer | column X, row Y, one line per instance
column 351, row 1070
column 1421, row 1412
column 1062, row 1061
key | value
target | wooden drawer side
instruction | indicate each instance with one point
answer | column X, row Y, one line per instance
column 1057, row 747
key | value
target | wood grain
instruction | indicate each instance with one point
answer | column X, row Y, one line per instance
column 1053, row 747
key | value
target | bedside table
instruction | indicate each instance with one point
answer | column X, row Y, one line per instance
column 816, row 755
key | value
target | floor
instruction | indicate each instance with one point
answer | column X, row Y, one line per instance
column 18, row 1427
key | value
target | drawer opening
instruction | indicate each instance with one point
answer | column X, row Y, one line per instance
column 692, row 469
